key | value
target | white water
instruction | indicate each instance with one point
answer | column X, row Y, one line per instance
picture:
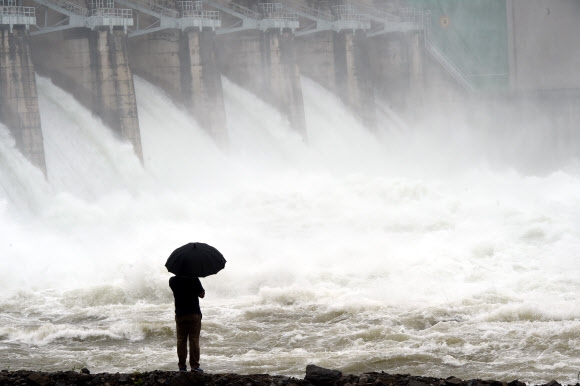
column 404, row 252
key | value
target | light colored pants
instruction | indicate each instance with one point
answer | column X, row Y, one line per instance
column 188, row 328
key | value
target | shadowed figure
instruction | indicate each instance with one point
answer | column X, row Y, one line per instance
column 186, row 292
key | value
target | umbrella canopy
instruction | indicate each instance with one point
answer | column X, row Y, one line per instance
column 195, row 260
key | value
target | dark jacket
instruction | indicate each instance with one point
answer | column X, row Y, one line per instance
column 185, row 292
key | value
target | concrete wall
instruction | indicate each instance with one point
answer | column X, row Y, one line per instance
column 543, row 36
column 315, row 54
column 93, row 66
column 183, row 63
column 156, row 58
column 340, row 62
column 402, row 72
column 390, row 69
column 18, row 98
column 265, row 63
column 202, row 82
column 472, row 35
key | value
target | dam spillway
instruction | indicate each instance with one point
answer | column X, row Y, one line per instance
column 366, row 52
column 92, row 49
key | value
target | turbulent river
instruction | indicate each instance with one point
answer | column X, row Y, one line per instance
column 418, row 249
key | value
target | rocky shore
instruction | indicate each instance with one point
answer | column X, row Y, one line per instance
column 314, row 375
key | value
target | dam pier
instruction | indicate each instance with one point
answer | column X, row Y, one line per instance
column 396, row 53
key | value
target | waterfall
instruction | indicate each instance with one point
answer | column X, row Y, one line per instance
column 409, row 250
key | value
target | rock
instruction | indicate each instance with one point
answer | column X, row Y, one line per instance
column 315, row 376
column 414, row 382
column 191, row 378
column 38, row 379
column 84, row 370
column 473, row 382
column 386, row 380
column 320, row 376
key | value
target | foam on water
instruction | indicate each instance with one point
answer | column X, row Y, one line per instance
column 405, row 251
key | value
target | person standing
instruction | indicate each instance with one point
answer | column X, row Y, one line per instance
column 186, row 292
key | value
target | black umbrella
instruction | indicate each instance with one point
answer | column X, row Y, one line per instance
column 195, row 260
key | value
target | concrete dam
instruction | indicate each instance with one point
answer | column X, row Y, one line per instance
column 364, row 51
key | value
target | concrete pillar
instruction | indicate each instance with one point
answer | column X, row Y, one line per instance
column 282, row 77
column 93, row 66
column 240, row 59
column 202, row 83
column 183, row 63
column 416, row 53
column 265, row 63
column 18, row 98
column 399, row 68
column 113, row 82
column 390, row 69
column 155, row 57
column 353, row 75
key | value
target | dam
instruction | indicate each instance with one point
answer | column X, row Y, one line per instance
column 413, row 56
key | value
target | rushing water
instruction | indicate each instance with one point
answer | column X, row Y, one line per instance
column 415, row 250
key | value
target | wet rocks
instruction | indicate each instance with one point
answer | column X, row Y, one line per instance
column 321, row 376
column 315, row 376
column 38, row 379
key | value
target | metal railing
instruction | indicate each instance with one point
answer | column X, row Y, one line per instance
column 412, row 15
column 309, row 11
column 275, row 11
column 190, row 5
column 247, row 12
column 402, row 17
column 348, row 12
column 71, row 7
column 342, row 9
column 207, row 15
column 16, row 11
column 102, row 4
column 280, row 15
column 164, row 11
column 113, row 12
column 194, row 9
column 385, row 16
column 351, row 16
column 12, row 15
